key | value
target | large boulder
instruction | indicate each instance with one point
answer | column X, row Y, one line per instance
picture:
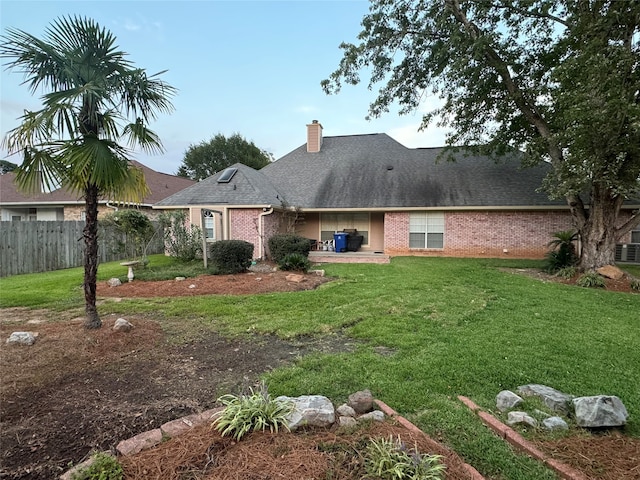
column 554, row 399
column 600, row 411
column 311, row 410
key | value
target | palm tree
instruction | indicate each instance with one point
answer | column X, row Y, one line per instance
column 94, row 100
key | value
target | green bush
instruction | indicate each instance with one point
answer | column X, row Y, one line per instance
column 563, row 254
column 390, row 459
column 283, row 244
column 135, row 232
column 182, row 242
column 254, row 412
column 295, row 261
column 104, row 467
column 590, row 280
column 567, row 272
column 231, row 256
column 635, row 284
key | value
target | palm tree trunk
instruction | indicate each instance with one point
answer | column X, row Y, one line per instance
column 91, row 257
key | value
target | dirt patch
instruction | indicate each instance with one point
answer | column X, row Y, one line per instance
column 76, row 391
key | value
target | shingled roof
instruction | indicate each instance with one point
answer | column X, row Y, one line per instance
column 375, row 171
column 246, row 187
column 161, row 185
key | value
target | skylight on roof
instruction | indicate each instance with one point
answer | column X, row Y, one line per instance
column 227, row 175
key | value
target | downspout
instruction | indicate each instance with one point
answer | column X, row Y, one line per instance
column 265, row 211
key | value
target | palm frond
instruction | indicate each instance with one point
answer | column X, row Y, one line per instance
column 41, row 170
column 138, row 134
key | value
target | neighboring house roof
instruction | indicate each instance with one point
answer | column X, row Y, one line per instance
column 161, row 185
column 246, row 187
column 375, row 171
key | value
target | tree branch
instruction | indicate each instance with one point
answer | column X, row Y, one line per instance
column 528, row 109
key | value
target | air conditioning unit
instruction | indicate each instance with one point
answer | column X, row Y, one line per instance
column 628, row 252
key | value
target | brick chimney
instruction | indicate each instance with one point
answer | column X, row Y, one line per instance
column 314, row 136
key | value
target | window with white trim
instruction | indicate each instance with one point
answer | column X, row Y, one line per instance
column 337, row 222
column 209, row 225
column 426, row 230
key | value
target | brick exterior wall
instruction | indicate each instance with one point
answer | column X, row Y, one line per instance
column 518, row 234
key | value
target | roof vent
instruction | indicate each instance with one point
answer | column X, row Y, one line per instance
column 227, row 175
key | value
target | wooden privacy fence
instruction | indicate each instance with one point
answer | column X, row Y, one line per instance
column 30, row 247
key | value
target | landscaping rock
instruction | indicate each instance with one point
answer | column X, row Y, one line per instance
column 521, row 417
column 600, row 411
column 122, row 325
column 22, row 338
column 345, row 410
column 180, row 279
column 319, row 273
column 506, row 400
column 376, row 416
column 610, row 271
column 555, row 423
column 347, row 422
column 295, row 278
column 552, row 398
column 361, row 402
column 311, row 410
column 114, row 282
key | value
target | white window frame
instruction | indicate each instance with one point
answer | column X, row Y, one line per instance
column 209, row 225
column 426, row 230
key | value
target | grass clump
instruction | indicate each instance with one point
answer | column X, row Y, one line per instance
column 249, row 413
column 590, row 280
column 567, row 272
column 103, row 467
column 390, row 459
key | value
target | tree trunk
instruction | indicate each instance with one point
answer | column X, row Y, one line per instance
column 91, row 257
column 598, row 234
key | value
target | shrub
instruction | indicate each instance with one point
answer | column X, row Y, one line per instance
column 295, row 261
column 135, row 227
column 104, row 467
column 254, row 412
column 563, row 253
column 390, row 460
column 590, row 280
column 567, row 272
column 231, row 256
column 635, row 284
column 182, row 242
column 283, row 244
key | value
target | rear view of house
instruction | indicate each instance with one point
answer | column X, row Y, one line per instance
column 401, row 201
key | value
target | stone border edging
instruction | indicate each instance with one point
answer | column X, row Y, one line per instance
column 389, row 412
column 518, row 441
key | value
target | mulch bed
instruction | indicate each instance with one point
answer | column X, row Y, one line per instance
column 310, row 454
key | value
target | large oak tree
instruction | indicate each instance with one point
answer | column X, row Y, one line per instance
column 95, row 100
column 557, row 79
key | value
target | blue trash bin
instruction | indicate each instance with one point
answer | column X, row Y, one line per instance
column 340, row 240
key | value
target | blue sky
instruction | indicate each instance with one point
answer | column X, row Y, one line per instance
column 247, row 67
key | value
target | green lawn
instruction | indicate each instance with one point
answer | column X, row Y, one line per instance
column 449, row 327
